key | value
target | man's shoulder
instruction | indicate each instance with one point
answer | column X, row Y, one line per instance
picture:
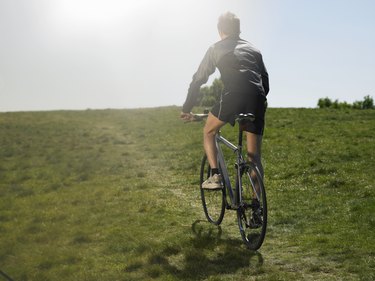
column 247, row 45
column 229, row 42
column 233, row 41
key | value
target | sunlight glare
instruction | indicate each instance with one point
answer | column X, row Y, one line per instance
column 91, row 14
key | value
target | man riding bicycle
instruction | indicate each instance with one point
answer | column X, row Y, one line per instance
column 246, row 86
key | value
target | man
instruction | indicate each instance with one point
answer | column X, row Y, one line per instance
column 245, row 80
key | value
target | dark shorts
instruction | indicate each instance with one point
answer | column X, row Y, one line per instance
column 232, row 104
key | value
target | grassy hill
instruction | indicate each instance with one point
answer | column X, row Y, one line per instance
column 113, row 195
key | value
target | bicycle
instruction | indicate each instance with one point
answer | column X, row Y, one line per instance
column 246, row 191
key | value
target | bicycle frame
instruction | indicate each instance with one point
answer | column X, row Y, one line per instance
column 234, row 197
column 244, row 188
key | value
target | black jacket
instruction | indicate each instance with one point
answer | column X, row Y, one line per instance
column 241, row 67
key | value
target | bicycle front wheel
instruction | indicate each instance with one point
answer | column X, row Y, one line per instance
column 252, row 212
column 212, row 200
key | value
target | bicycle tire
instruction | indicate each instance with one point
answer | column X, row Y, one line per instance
column 212, row 200
column 252, row 215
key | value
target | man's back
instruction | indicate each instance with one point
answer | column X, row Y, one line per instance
column 241, row 66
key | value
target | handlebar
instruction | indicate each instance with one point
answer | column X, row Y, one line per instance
column 199, row 116
column 196, row 117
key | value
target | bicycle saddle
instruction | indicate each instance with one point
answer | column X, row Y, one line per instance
column 245, row 116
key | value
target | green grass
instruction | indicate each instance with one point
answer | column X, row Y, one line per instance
column 113, row 195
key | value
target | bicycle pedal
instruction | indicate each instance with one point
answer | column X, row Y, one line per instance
column 233, row 207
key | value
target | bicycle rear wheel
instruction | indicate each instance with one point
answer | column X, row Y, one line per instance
column 252, row 212
column 212, row 200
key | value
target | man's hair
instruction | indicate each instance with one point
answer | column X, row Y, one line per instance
column 229, row 24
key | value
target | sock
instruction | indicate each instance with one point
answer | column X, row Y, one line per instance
column 214, row 171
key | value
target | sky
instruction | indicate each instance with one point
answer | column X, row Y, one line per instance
column 81, row 54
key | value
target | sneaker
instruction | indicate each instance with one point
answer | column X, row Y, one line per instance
column 214, row 182
column 256, row 218
column 255, row 204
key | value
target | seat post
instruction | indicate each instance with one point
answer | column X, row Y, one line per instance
column 240, row 136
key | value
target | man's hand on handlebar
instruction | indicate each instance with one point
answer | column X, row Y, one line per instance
column 187, row 117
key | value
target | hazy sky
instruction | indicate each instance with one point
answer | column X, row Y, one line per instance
column 79, row 54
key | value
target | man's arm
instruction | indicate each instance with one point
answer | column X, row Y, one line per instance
column 265, row 79
column 265, row 82
column 205, row 69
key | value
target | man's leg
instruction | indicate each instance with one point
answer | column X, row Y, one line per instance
column 212, row 126
column 254, row 144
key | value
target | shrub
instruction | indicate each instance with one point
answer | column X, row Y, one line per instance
column 358, row 105
column 210, row 94
column 367, row 103
column 324, row 103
